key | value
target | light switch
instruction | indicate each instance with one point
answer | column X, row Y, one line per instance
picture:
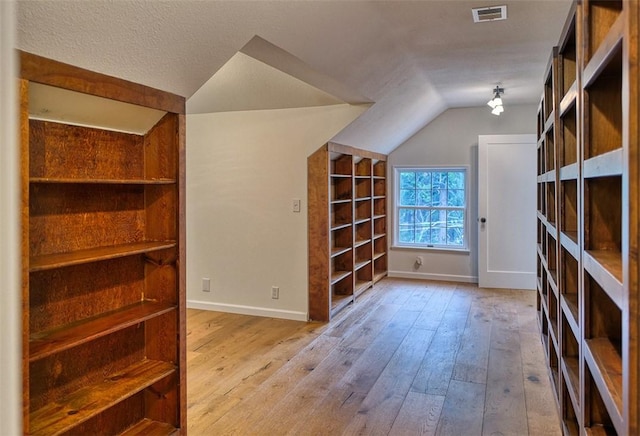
column 296, row 205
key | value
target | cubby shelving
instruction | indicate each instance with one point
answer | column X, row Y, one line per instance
column 103, row 246
column 594, row 102
column 347, row 245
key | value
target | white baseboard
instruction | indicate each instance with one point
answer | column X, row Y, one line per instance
column 431, row 276
column 248, row 310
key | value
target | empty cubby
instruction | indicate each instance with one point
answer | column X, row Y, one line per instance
column 597, row 418
column 340, row 188
column 551, row 203
column 363, row 210
column 341, row 214
column 571, row 357
column 550, row 149
column 552, row 258
column 569, row 153
column 363, row 167
column 552, row 305
column 363, row 187
column 603, row 107
column 570, row 423
column 541, row 165
column 341, row 165
column 602, row 14
column 568, row 59
column 569, row 285
column 548, row 96
column 569, row 209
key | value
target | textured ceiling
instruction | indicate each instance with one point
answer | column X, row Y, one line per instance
column 413, row 59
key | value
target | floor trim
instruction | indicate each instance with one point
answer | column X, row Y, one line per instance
column 248, row 310
column 431, row 276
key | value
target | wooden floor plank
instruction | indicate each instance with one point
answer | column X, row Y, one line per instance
column 419, row 415
column 410, row 357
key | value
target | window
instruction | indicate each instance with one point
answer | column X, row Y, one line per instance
column 431, row 207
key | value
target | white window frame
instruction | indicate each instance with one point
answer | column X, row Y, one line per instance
column 396, row 207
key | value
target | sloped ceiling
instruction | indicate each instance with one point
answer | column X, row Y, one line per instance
column 414, row 59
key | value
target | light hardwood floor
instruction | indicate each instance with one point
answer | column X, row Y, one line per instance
column 410, row 357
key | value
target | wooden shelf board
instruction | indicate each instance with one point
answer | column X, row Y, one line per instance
column 67, row 412
column 379, row 276
column 569, row 240
column 379, row 197
column 361, row 242
column 340, row 226
column 604, row 52
column 338, row 302
column 337, row 251
column 361, row 264
column 552, row 229
column 340, row 176
column 606, row 268
column 103, row 181
column 604, row 165
column 336, row 276
column 599, row 430
column 375, row 217
column 379, row 235
column 361, row 176
column 571, row 367
column 361, row 286
column 361, row 220
column 362, row 198
column 569, row 172
column 569, row 99
column 51, row 261
column 379, row 177
column 570, row 427
column 147, row 427
column 378, row 255
column 348, row 200
column 569, row 304
column 606, row 369
column 56, row 340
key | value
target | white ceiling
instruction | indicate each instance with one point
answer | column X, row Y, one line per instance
column 414, row 59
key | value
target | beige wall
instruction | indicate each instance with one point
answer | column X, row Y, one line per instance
column 450, row 140
column 10, row 295
column 243, row 171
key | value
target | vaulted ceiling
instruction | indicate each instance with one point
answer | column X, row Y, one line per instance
column 411, row 59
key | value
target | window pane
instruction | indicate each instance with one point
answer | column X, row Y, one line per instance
column 439, row 180
column 423, row 216
column 455, row 218
column 423, row 198
column 406, row 217
column 439, row 236
column 423, row 234
column 423, row 180
column 439, row 197
column 407, row 197
column 455, row 236
column 406, row 234
column 407, row 180
column 456, row 180
column 455, row 197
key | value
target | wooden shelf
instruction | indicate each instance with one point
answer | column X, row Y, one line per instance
column 336, row 276
column 606, row 269
column 65, row 413
column 46, row 343
column 379, row 276
column 603, row 165
column 102, row 181
column 58, row 260
column 340, row 201
column 606, row 369
column 336, row 251
column 335, row 279
column 379, row 255
column 147, row 427
column 571, row 367
column 569, row 303
column 338, row 302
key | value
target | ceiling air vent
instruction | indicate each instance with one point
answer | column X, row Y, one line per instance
column 491, row 13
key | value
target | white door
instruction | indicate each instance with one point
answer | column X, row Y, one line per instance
column 507, row 211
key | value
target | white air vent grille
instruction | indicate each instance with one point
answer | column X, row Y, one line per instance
column 491, row 13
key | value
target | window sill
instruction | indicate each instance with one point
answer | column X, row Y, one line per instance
column 434, row 249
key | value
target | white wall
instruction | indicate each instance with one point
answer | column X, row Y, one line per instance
column 452, row 139
column 10, row 295
column 243, row 171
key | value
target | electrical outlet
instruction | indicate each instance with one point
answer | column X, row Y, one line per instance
column 275, row 292
column 206, row 284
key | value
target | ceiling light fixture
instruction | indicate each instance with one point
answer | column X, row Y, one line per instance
column 496, row 102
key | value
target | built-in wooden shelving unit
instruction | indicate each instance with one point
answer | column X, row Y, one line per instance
column 103, row 254
column 591, row 304
column 347, row 226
